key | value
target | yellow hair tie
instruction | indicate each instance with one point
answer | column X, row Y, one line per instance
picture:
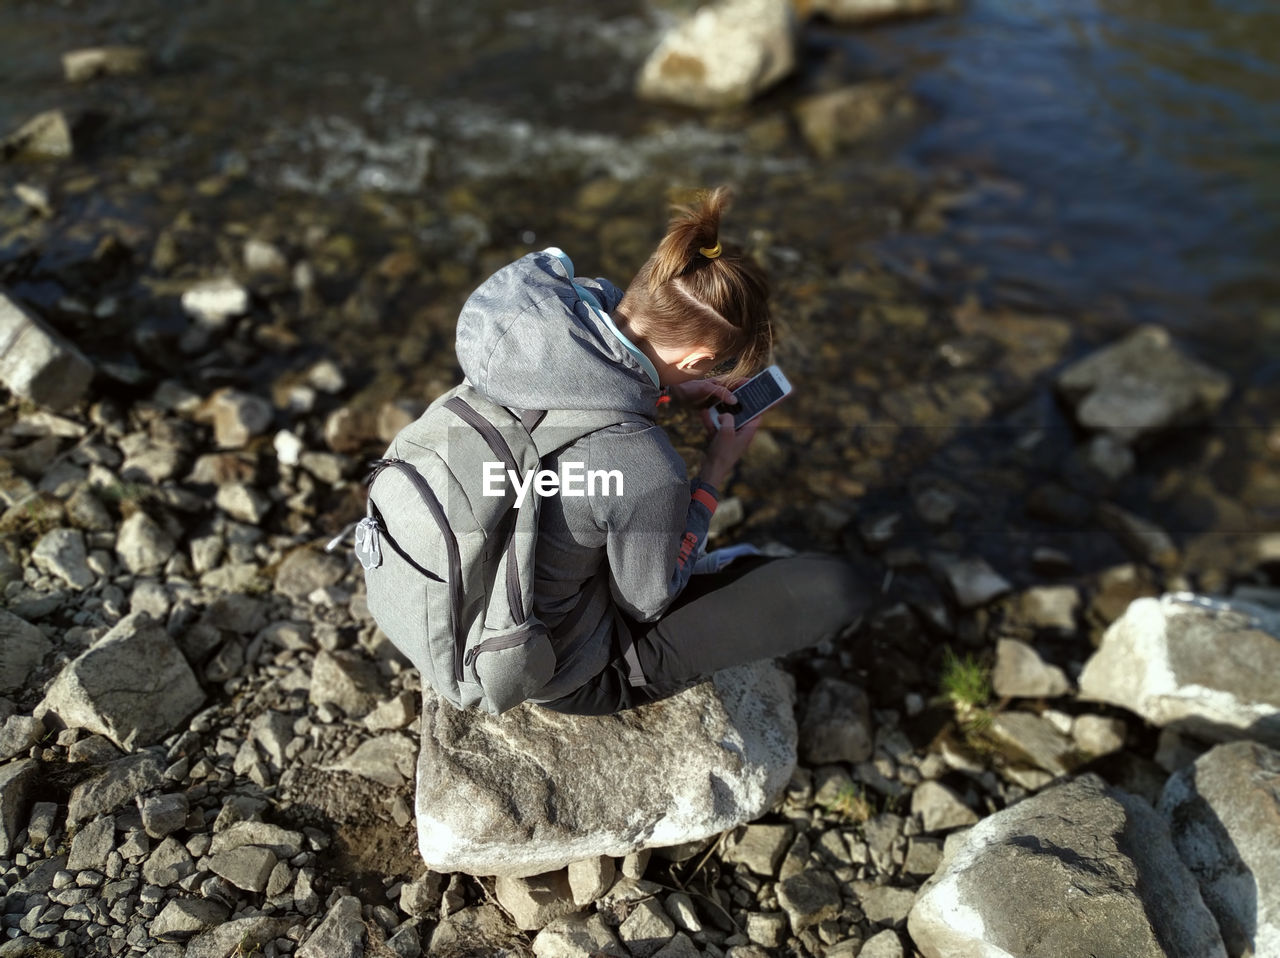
column 710, row 252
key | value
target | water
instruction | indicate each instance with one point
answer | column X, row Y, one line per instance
column 1108, row 161
column 1121, row 151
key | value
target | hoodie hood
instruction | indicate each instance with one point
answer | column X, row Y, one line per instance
column 526, row 339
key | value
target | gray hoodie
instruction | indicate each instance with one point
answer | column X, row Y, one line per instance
column 526, row 340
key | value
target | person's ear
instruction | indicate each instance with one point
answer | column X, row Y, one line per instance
column 696, row 360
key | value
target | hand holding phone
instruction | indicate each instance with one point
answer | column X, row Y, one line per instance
column 757, row 394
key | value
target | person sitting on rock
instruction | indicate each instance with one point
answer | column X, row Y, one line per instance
column 613, row 566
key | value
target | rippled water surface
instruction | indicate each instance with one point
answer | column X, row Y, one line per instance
column 1107, row 161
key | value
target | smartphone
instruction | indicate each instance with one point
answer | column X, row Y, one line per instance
column 755, row 396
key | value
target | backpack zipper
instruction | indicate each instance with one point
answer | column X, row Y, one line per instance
column 451, row 545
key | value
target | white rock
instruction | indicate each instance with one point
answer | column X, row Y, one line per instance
column 263, row 257
column 37, row 363
column 884, row 944
column 646, row 929
column 387, row 759
column 288, row 447
column 724, row 55
column 61, row 552
column 519, row 794
column 577, row 937
column 1079, row 870
column 215, row 301
column 1224, row 814
column 142, row 546
column 1098, row 734
column 1195, row 666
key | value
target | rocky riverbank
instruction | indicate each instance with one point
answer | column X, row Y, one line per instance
column 209, row 749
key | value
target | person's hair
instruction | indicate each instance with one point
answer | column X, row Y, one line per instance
column 683, row 297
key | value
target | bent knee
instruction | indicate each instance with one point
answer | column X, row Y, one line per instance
column 831, row 583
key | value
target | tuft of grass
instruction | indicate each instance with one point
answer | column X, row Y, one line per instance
column 851, row 804
column 966, row 684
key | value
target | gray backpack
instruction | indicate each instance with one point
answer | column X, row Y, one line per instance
column 449, row 568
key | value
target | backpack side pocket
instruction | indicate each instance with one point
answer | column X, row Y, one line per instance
column 512, row 665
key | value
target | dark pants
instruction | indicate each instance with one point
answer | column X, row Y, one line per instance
column 756, row 608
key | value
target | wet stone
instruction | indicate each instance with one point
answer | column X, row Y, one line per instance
column 971, row 579
column 90, row 63
column 1141, row 385
column 838, row 119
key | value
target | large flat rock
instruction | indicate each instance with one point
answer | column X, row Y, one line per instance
column 1224, row 813
column 133, row 685
column 531, row 790
column 1196, row 665
column 1077, row 871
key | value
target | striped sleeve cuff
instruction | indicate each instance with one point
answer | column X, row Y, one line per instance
column 705, row 494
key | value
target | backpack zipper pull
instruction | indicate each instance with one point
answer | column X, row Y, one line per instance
column 337, row 540
column 368, row 549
